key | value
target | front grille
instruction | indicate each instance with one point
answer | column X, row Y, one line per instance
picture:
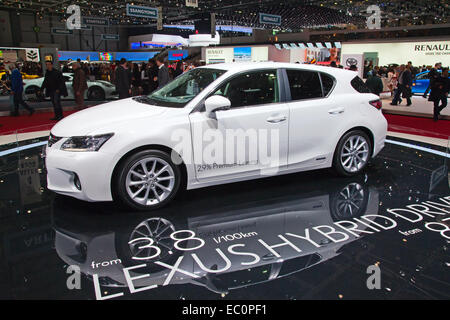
column 52, row 140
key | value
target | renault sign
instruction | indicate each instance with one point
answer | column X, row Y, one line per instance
column 266, row 18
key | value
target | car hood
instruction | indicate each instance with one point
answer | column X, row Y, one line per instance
column 95, row 120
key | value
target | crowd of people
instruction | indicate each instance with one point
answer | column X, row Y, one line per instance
column 133, row 79
column 130, row 79
column 399, row 81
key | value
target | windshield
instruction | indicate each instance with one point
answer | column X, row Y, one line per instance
column 184, row 88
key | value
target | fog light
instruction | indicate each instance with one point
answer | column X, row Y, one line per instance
column 76, row 181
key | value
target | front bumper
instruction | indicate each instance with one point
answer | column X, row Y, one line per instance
column 93, row 169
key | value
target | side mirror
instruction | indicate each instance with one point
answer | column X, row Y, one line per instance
column 216, row 103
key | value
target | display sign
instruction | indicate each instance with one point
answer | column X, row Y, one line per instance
column 266, row 18
column 141, row 11
column 10, row 56
column 192, row 3
column 221, row 55
column 357, row 60
column 242, row 54
column 213, row 25
column 60, row 31
column 106, row 56
column 175, row 55
column 32, row 55
column 74, row 55
column 135, row 56
column 237, row 54
column 114, row 37
column 30, row 183
column 159, row 23
column 418, row 52
column 94, row 21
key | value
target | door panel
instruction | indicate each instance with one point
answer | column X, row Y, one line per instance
column 315, row 120
column 252, row 136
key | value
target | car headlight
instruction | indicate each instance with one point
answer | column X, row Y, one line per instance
column 87, row 143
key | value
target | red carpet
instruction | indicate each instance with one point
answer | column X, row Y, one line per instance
column 25, row 123
column 405, row 124
column 419, row 126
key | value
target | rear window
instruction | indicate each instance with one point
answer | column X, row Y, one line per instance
column 359, row 85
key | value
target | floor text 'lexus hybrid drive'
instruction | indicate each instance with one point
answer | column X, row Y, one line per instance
column 213, row 125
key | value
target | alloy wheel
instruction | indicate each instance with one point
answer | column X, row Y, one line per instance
column 354, row 153
column 150, row 181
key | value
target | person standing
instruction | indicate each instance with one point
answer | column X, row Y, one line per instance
column 163, row 73
column 374, row 83
column 152, row 75
column 179, row 69
column 439, row 93
column 79, row 85
column 403, row 86
column 433, row 75
column 17, row 91
column 123, row 79
column 55, row 87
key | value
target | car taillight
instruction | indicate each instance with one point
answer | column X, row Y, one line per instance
column 376, row 103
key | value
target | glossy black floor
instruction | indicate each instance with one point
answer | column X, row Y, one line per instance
column 43, row 234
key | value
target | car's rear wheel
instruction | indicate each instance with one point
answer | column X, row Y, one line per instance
column 147, row 180
column 352, row 153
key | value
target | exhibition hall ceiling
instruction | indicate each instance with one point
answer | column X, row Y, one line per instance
column 295, row 14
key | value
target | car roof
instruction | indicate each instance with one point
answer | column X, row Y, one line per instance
column 242, row 66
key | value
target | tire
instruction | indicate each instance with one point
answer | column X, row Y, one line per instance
column 351, row 155
column 33, row 94
column 96, row 94
column 349, row 201
column 151, row 190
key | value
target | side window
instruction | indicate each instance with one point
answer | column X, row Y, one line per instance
column 327, row 83
column 304, row 84
column 251, row 88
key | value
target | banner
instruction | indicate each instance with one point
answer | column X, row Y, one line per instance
column 63, row 32
column 266, row 18
column 114, row 37
column 142, row 12
column 94, row 21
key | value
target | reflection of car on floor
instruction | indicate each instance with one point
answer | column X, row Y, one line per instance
column 78, row 242
column 124, row 150
column 98, row 90
column 421, row 82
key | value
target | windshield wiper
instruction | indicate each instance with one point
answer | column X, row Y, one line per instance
column 144, row 99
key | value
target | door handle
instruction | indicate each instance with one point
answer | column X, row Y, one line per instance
column 336, row 111
column 276, row 119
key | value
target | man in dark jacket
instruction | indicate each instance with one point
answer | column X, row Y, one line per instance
column 152, row 75
column 123, row 79
column 17, row 91
column 79, row 84
column 55, row 87
column 163, row 73
column 439, row 93
column 432, row 75
column 374, row 83
column 404, row 86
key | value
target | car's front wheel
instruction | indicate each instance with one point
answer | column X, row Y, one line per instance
column 352, row 153
column 147, row 180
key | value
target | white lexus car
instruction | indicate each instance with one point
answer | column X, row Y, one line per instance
column 141, row 151
column 98, row 90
